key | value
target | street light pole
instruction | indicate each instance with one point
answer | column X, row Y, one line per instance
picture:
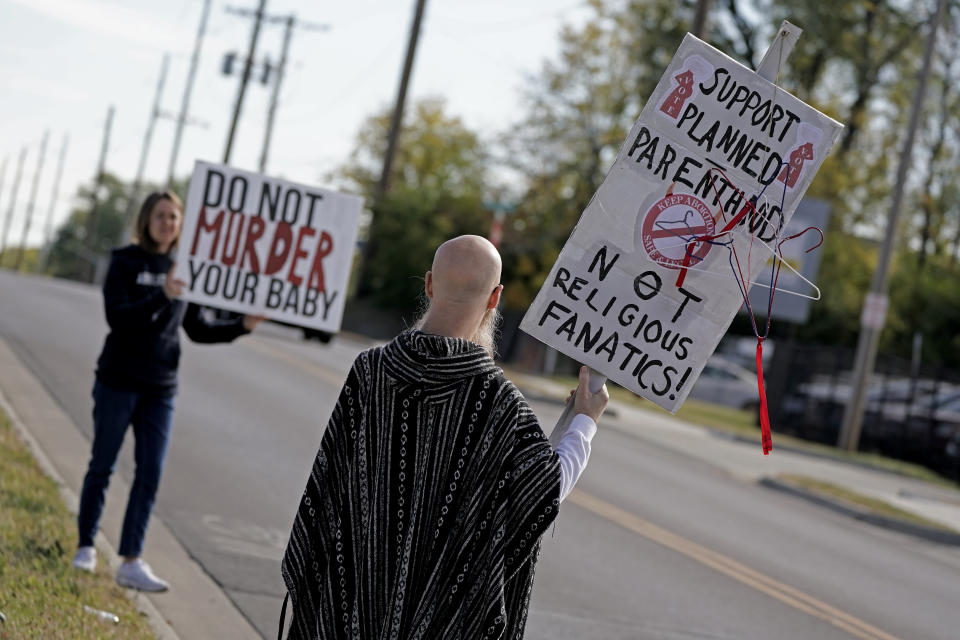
column 871, row 320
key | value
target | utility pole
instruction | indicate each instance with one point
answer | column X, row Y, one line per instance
column 384, row 185
column 48, row 227
column 91, row 227
column 147, row 136
column 875, row 305
column 291, row 22
column 32, row 201
column 3, row 174
column 13, row 201
column 248, row 65
column 702, row 12
column 188, row 89
column 272, row 111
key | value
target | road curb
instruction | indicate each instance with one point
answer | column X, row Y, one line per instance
column 894, row 524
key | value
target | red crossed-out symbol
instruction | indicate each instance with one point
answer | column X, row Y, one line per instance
column 670, row 227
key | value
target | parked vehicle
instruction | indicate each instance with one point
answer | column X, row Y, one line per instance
column 724, row 382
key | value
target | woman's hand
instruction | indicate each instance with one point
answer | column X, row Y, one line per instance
column 251, row 322
column 172, row 287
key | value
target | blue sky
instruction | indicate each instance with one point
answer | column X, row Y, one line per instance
column 62, row 62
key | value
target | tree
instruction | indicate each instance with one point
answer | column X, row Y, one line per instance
column 69, row 256
column 578, row 111
column 436, row 192
column 856, row 61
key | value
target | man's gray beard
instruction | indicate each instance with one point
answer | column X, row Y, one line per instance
column 486, row 335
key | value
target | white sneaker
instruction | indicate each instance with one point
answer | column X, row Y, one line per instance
column 85, row 559
column 138, row 575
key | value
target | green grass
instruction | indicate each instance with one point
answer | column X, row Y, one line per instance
column 716, row 416
column 852, row 498
column 41, row 595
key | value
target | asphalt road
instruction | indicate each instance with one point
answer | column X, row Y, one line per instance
column 652, row 544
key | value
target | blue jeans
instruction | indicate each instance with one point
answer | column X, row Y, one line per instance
column 152, row 418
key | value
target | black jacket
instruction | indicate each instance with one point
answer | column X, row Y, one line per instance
column 142, row 350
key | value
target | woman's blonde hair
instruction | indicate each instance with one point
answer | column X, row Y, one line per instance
column 142, row 231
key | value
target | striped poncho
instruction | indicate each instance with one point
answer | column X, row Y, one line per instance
column 424, row 510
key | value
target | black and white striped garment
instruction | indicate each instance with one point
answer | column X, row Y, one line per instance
column 424, row 510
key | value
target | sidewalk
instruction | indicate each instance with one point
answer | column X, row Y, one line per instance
column 745, row 460
column 196, row 606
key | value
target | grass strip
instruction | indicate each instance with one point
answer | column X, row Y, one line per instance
column 41, row 594
column 860, row 501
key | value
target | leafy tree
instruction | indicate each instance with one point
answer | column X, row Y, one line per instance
column 578, row 111
column 69, row 256
column 857, row 61
column 436, row 192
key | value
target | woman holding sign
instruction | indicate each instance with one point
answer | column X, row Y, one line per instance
column 136, row 379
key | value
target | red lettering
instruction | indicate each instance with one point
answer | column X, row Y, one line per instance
column 229, row 256
column 254, row 232
column 278, row 255
column 203, row 226
column 324, row 247
column 298, row 253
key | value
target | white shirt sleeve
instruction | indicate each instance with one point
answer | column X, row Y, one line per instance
column 574, row 451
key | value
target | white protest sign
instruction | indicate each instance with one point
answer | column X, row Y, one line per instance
column 261, row 245
column 713, row 137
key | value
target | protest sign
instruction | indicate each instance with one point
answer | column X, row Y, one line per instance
column 259, row 245
column 647, row 283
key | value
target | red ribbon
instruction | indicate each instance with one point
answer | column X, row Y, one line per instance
column 765, row 438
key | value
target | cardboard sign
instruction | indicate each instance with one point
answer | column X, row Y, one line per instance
column 713, row 137
column 260, row 245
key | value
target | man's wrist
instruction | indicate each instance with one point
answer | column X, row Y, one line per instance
column 583, row 424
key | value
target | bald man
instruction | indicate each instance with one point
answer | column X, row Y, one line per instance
column 434, row 482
